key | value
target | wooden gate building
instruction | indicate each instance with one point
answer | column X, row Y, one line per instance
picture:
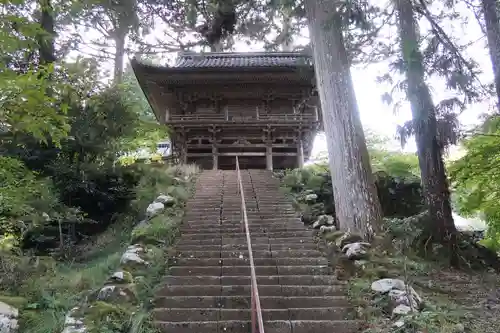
column 261, row 107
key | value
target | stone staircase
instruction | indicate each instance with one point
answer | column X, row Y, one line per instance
column 207, row 289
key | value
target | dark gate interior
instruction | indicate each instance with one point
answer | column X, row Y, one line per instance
column 246, row 162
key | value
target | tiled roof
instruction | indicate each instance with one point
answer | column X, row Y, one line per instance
column 239, row 60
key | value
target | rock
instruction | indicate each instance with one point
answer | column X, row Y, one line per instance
column 166, row 200
column 72, row 323
column 330, row 228
column 399, row 324
column 311, row 197
column 348, row 238
column 154, row 209
column 400, row 297
column 459, row 328
column 131, row 256
column 323, row 220
column 120, row 277
column 121, row 293
column 8, row 318
column 401, row 310
column 356, row 251
column 383, row 286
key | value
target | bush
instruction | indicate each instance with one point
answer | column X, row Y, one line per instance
column 399, row 196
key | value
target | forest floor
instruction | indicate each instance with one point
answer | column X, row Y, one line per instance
column 455, row 301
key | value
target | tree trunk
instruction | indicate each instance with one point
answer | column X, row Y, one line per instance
column 490, row 12
column 356, row 203
column 434, row 181
column 46, row 40
column 119, row 55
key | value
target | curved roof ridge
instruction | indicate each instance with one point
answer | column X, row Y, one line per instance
column 242, row 59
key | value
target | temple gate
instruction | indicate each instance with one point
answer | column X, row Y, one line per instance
column 261, row 107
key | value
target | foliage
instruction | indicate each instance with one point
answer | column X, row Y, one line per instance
column 398, row 185
column 476, row 178
column 28, row 203
column 24, row 104
column 47, row 289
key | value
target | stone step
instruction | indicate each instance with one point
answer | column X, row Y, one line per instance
column 231, row 231
column 280, row 234
column 270, row 326
column 245, row 290
column 244, row 302
column 243, row 240
column 290, row 280
column 257, row 247
column 245, row 270
column 244, row 261
column 211, row 314
column 201, row 226
column 256, row 253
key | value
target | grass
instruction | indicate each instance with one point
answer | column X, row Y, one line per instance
column 447, row 307
column 450, row 296
column 44, row 290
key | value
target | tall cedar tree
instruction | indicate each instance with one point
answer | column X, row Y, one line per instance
column 429, row 150
column 356, row 203
column 46, row 38
column 490, row 12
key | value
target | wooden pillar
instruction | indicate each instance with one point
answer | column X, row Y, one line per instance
column 269, row 157
column 300, row 153
column 184, row 153
column 215, row 157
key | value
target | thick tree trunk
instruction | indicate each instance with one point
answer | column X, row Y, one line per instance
column 434, row 181
column 490, row 12
column 46, row 40
column 119, row 55
column 356, row 203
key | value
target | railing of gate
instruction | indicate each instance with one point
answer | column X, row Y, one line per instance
column 257, row 322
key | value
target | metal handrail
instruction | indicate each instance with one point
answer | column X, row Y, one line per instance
column 256, row 309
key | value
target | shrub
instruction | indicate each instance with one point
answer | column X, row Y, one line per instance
column 399, row 196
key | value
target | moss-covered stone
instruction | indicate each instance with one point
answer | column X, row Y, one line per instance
column 160, row 230
column 117, row 294
column 348, row 238
column 120, row 277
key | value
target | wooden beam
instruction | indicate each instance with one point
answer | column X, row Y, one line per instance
column 256, row 145
column 239, row 154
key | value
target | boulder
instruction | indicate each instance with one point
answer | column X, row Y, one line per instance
column 154, row 209
column 327, row 228
column 166, row 200
column 120, row 277
column 311, row 197
column 401, row 296
column 356, row 251
column 323, row 220
column 120, row 293
column 383, row 286
column 72, row 323
column 8, row 318
column 132, row 257
column 348, row 238
column 401, row 310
